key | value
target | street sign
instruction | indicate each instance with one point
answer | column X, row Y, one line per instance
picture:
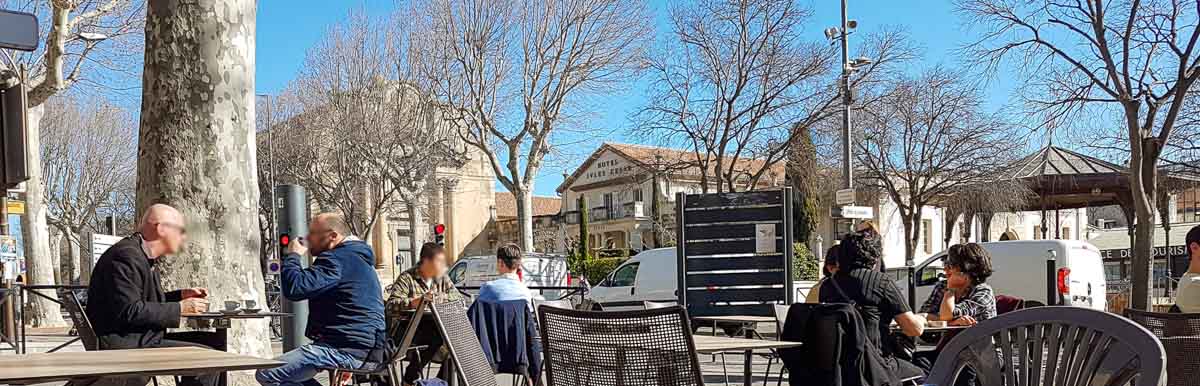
column 853, row 212
column 101, row 243
column 18, row 30
column 844, row 196
column 16, row 207
column 274, row 266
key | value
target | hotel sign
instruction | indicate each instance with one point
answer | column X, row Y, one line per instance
column 606, row 167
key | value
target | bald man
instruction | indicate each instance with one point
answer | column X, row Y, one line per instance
column 126, row 303
column 345, row 303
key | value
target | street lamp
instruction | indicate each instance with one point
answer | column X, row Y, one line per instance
column 848, row 68
column 91, row 37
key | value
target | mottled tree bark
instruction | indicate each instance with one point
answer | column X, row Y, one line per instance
column 196, row 151
column 39, row 263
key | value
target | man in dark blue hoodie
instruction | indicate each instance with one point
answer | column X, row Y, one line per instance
column 345, row 301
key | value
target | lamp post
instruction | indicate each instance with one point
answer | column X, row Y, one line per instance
column 841, row 35
column 270, row 159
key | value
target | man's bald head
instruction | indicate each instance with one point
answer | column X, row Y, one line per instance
column 164, row 229
column 326, row 231
column 159, row 213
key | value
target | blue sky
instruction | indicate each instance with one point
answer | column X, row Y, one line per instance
column 287, row 29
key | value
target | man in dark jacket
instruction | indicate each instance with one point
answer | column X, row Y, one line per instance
column 126, row 303
column 345, row 301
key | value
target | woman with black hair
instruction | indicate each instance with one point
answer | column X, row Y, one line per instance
column 875, row 295
column 964, row 298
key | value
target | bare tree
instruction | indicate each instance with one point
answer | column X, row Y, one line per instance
column 361, row 137
column 65, row 59
column 196, row 152
column 1131, row 60
column 926, row 137
column 736, row 77
column 513, row 73
column 977, row 202
column 88, row 156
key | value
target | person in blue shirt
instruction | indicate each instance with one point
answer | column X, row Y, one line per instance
column 509, row 285
column 345, row 301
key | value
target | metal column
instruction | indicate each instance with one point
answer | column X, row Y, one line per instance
column 291, row 212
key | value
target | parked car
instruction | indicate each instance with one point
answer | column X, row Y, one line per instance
column 1019, row 269
column 538, row 270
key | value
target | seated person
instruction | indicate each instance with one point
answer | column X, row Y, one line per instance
column 509, row 285
column 126, row 304
column 345, row 302
column 428, row 277
column 963, row 299
column 1188, row 295
column 876, row 296
column 830, row 268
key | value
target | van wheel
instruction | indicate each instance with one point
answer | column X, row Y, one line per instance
column 1033, row 303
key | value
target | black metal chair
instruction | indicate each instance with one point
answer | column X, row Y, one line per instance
column 375, row 373
column 1054, row 346
column 1180, row 336
column 641, row 347
column 79, row 319
column 466, row 352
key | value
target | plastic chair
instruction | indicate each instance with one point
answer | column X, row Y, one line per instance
column 1054, row 346
column 1180, row 336
column 617, row 348
column 79, row 319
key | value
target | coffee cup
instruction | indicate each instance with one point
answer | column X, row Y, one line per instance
column 232, row 305
column 250, row 304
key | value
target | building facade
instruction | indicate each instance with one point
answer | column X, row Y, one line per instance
column 628, row 193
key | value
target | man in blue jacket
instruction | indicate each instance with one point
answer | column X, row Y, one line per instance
column 345, row 301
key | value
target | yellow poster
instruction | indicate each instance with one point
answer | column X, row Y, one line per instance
column 16, row 207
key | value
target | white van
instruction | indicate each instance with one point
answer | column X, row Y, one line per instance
column 1019, row 269
column 538, row 270
column 652, row 276
column 647, row 276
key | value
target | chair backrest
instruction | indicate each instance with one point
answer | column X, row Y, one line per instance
column 640, row 347
column 555, row 303
column 79, row 318
column 1054, row 346
column 463, row 345
column 1180, row 337
column 781, row 311
column 653, row 305
column 1006, row 304
column 508, row 332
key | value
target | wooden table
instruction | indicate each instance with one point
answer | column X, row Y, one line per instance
column 65, row 366
column 717, row 344
column 220, row 322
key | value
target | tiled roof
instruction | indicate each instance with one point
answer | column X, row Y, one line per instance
column 506, row 205
column 676, row 162
column 1056, row 161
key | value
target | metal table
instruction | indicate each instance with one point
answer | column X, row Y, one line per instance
column 65, row 366
column 716, row 344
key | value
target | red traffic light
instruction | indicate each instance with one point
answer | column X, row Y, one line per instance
column 439, row 229
column 283, row 239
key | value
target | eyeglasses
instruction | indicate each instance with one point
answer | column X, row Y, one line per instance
column 181, row 228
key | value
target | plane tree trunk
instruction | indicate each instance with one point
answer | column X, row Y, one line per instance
column 196, row 152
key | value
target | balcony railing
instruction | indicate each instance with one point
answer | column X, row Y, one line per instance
column 634, row 209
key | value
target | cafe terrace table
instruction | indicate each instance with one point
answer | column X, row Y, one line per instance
column 716, row 344
column 220, row 322
column 149, row 362
column 748, row 323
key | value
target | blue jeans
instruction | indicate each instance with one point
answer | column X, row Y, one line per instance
column 301, row 364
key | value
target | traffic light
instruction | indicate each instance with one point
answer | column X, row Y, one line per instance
column 13, row 169
column 439, row 234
